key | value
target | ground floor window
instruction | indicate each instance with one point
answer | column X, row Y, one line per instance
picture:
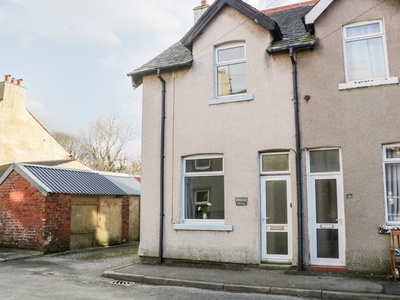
column 203, row 178
column 391, row 161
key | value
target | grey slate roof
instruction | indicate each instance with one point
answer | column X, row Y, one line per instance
column 65, row 181
column 292, row 33
column 177, row 56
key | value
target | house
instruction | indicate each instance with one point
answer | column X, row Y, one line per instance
column 24, row 139
column 277, row 140
column 55, row 209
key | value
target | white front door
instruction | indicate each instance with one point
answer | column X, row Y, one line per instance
column 326, row 209
column 276, row 219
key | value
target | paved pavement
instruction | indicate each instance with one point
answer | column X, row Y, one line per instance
column 245, row 279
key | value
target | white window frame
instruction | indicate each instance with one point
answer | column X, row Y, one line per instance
column 199, row 224
column 229, row 98
column 349, row 84
column 388, row 161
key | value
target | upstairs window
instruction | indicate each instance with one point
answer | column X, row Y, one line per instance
column 365, row 51
column 231, row 70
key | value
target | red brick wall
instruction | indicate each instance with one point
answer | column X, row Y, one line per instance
column 125, row 220
column 21, row 213
column 58, row 223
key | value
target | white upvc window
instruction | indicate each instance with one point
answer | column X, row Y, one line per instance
column 203, row 194
column 274, row 163
column 365, row 55
column 230, row 74
column 391, row 167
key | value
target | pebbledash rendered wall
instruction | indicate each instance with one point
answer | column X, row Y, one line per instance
column 238, row 131
column 358, row 121
column 28, row 219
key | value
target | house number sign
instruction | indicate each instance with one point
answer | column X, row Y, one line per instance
column 241, row 201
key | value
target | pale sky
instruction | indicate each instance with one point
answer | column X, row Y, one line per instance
column 74, row 55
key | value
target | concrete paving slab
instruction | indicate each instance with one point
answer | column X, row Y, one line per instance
column 7, row 254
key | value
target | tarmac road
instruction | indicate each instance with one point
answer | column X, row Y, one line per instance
column 77, row 275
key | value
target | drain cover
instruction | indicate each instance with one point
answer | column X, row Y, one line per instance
column 122, row 282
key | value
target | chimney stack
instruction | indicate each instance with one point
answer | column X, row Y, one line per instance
column 13, row 80
column 7, row 78
column 199, row 10
column 19, row 81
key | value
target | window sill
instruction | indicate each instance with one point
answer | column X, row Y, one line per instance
column 203, row 226
column 228, row 99
column 368, row 82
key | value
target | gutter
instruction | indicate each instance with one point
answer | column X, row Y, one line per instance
column 300, row 225
column 162, row 157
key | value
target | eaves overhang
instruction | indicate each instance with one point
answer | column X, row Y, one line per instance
column 244, row 8
column 303, row 43
column 174, row 58
column 28, row 176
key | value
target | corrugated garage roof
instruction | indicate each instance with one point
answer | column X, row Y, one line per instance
column 125, row 182
column 65, row 181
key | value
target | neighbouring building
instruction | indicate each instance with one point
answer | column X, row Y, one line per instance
column 271, row 137
column 23, row 138
column 56, row 209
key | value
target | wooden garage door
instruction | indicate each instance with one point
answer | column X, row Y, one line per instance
column 109, row 230
column 83, row 223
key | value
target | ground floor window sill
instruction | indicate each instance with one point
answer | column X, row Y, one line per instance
column 204, row 227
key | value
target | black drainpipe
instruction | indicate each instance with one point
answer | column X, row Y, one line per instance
column 162, row 156
column 298, row 164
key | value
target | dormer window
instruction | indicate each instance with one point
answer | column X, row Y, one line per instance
column 231, row 70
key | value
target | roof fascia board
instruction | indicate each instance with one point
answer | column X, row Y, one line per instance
column 32, row 179
column 250, row 12
column 316, row 11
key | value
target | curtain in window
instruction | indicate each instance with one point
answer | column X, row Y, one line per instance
column 393, row 191
column 189, row 198
column 365, row 59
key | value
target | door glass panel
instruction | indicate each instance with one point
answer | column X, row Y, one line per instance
column 276, row 202
column 275, row 162
column 277, row 243
column 324, row 161
column 326, row 200
column 327, row 243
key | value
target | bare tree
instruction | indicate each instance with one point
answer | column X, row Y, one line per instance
column 107, row 142
column 72, row 143
column 105, row 146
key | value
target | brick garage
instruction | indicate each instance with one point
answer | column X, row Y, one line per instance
column 35, row 205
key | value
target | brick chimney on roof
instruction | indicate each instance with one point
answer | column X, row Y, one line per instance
column 199, row 10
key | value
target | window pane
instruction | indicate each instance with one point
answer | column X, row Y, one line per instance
column 393, row 152
column 231, row 54
column 275, row 162
column 326, row 200
column 324, row 161
column 327, row 243
column 231, row 79
column 363, row 29
column 277, row 243
column 215, row 187
column 365, row 59
column 276, row 202
column 204, row 165
column 392, row 172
